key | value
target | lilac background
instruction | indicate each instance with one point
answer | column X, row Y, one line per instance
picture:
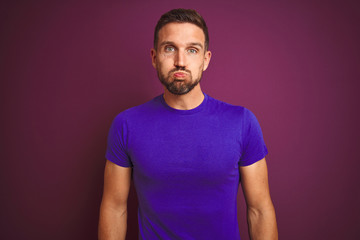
column 68, row 68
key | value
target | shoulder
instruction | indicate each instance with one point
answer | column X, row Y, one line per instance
column 234, row 115
column 140, row 111
column 225, row 108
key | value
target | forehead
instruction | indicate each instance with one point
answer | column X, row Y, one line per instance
column 181, row 33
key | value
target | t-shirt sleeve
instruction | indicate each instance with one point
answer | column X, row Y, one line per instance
column 253, row 148
column 116, row 151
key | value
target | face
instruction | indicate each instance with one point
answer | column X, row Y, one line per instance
column 180, row 57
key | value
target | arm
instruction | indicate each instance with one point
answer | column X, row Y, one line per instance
column 260, row 209
column 113, row 209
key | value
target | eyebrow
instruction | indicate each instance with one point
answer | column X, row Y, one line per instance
column 195, row 44
column 188, row 44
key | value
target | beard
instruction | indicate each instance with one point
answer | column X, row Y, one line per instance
column 179, row 86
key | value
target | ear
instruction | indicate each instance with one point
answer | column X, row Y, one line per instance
column 153, row 57
column 207, row 60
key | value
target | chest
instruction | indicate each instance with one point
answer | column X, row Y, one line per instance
column 185, row 148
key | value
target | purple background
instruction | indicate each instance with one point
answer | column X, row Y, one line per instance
column 68, row 68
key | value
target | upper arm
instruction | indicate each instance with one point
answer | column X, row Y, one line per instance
column 254, row 181
column 116, row 185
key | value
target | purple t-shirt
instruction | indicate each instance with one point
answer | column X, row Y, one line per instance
column 186, row 165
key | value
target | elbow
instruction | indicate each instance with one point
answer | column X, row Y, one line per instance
column 261, row 210
column 116, row 207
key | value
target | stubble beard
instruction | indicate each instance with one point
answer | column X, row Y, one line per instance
column 178, row 86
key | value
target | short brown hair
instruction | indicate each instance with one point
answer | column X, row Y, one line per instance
column 181, row 15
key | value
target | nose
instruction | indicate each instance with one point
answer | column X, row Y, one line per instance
column 180, row 60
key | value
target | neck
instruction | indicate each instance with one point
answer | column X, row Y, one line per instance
column 185, row 102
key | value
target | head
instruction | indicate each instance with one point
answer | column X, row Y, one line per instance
column 180, row 52
column 182, row 16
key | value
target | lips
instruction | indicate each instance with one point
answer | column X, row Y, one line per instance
column 179, row 74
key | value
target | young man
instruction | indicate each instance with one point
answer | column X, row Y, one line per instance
column 187, row 151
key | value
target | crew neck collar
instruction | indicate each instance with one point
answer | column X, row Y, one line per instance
column 185, row 112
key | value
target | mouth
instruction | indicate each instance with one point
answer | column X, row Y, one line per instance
column 180, row 74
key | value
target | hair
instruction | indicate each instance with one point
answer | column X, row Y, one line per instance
column 181, row 15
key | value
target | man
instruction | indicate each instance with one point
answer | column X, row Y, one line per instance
column 187, row 151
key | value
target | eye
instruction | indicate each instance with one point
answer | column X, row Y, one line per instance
column 169, row 49
column 192, row 50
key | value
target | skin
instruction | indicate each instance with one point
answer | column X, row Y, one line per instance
column 260, row 209
column 181, row 46
column 180, row 58
column 113, row 209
